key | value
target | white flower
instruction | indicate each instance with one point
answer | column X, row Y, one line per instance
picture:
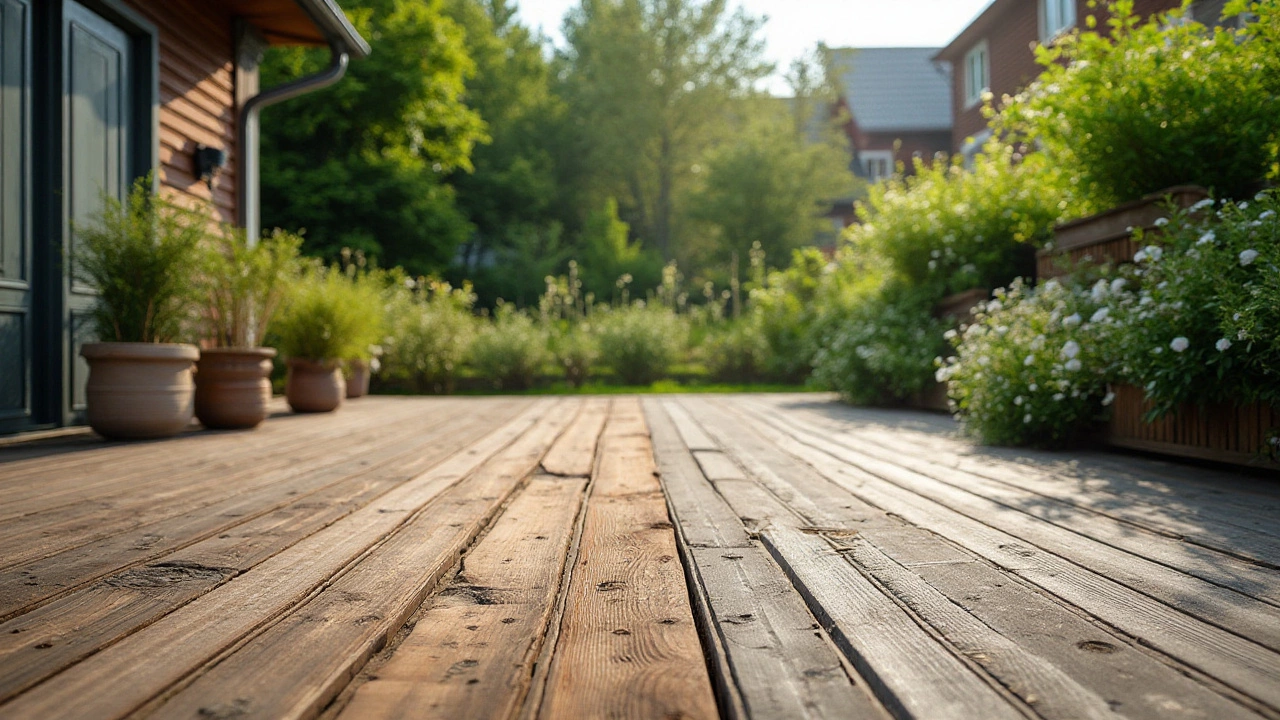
column 1207, row 238
column 1161, row 222
column 995, row 306
column 1058, row 397
column 1179, row 344
column 1140, row 256
column 1110, row 398
column 1033, row 387
column 1071, row 320
column 1267, row 215
column 1247, row 257
column 1099, row 291
column 950, row 334
column 1019, row 400
column 1029, row 360
column 1223, row 345
column 1073, row 365
column 1117, row 285
column 1026, row 419
column 1100, row 315
column 1205, row 203
column 1070, row 349
column 1242, row 335
column 1155, row 253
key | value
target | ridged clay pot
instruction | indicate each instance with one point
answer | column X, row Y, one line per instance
column 358, row 383
column 314, row 386
column 233, row 387
column 140, row 390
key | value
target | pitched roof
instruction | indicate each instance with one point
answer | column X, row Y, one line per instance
column 894, row 89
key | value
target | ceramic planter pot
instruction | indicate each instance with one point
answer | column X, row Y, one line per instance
column 358, row 383
column 139, row 390
column 314, row 386
column 233, row 387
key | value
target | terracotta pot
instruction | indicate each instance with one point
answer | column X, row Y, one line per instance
column 358, row 383
column 139, row 390
column 314, row 386
column 233, row 387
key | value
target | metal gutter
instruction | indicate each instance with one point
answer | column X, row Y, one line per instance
column 336, row 27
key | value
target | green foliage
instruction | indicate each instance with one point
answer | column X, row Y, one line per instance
column 431, row 334
column 141, row 257
column 1033, row 366
column 331, row 315
column 640, row 342
column 510, row 351
column 737, row 352
column 576, row 351
column 877, row 347
column 1200, row 322
column 947, row 229
column 607, row 254
column 244, row 285
column 786, row 306
column 360, row 164
column 1145, row 106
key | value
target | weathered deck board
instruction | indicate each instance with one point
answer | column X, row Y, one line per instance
column 627, row 645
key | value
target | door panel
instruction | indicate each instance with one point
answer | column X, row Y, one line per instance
column 15, row 215
column 96, row 160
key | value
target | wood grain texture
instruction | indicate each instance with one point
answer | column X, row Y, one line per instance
column 628, row 647
column 167, row 651
column 471, row 654
column 573, row 454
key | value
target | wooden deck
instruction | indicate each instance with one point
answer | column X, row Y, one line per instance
column 775, row 556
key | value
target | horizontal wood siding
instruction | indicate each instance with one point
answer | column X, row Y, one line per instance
column 197, row 97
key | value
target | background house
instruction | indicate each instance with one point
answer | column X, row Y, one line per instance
column 94, row 95
column 996, row 52
column 898, row 105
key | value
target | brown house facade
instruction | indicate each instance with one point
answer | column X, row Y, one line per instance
column 996, row 52
column 97, row 93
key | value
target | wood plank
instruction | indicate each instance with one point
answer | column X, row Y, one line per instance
column 627, row 645
column 296, row 666
column 46, row 640
column 167, row 651
column 910, row 670
column 690, row 432
column 704, row 519
column 780, row 659
column 718, row 466
column 1100, row 661
column 573, row 454
column 1231, row 659
column 471, row 654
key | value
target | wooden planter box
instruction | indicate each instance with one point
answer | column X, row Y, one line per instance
column 1222, row 433
column 1108, row 237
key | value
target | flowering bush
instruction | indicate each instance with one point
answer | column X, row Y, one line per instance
column 431, row 333
column 1202, row 323
column 738, row 352
column 1146, row 106
column 639, row 342
column 1032, row 367
column 878, row 347
column 576, row 351
column 511, row 351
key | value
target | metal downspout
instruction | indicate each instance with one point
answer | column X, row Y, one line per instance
column 248, row 195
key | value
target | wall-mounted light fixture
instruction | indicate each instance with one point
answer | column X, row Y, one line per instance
column 208, row 162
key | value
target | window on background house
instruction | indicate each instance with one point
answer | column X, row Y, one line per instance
column 877, row 164
column 1056, row 16
column 977, row 73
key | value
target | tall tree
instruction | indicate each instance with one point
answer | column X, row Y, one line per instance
column 649, row 83
column 361, row 164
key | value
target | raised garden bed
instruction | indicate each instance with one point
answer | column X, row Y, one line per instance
column 1222, row 433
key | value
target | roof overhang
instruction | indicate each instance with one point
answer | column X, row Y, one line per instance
column 302, row 22
column 973, row 32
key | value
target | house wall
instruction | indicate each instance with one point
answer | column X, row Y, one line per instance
column 1011, row 40
column 197, row 96
column 927, row 143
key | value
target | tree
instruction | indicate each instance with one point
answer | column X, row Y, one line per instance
column 361, row 164
column 649, row 84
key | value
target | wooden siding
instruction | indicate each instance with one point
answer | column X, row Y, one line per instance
column 197, row 97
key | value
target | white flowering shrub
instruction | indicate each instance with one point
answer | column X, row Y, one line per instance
column 432, row 329
column 1202, row 323
column 1032, row 368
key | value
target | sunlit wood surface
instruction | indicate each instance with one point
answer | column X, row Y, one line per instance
column 746, row 556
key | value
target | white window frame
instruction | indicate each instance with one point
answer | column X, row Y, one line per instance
column 1056, row 17
column 877, row 164
column 977, row 73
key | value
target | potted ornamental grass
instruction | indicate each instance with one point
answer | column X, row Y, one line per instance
column 243, row 286
column 139, row 255
column 327, row 317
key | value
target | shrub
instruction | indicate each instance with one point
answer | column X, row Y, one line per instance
column 138, row 256
column 1151, row 105
column 785, row 307
column 432, row 329
column 576, row 352
column 737, row 351
column 948, row 229
column 640, row 343
column 1201, row 322
column 328, row 315
column 878, row 347
column 244, row 285
column 511, row 351
column 1032, row 367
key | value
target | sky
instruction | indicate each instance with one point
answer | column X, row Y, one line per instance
column 795, row 26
